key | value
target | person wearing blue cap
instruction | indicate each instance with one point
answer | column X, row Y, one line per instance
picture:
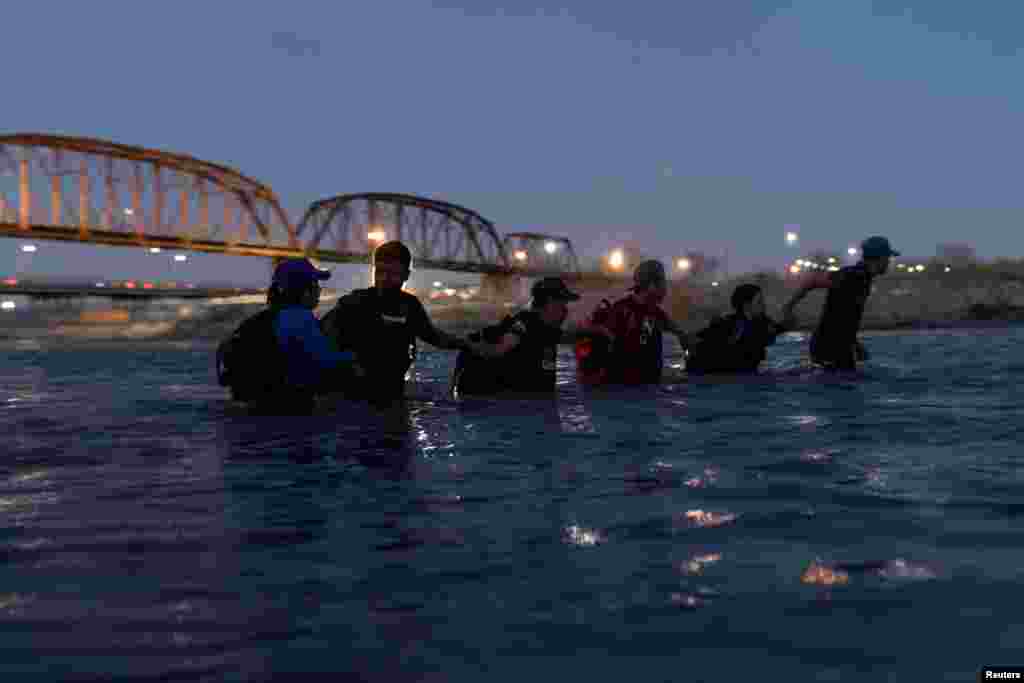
column 279, row 359
column 834, row 344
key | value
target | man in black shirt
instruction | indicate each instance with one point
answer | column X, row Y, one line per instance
column 518, row 354
column 381, row 325
column 834, row 344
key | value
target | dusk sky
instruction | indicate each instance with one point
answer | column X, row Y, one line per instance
column 704, row 125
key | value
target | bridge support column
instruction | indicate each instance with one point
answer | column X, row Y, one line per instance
column 504, row 287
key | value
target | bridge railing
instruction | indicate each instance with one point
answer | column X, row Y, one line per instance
column 99, row 192
column 85, row 190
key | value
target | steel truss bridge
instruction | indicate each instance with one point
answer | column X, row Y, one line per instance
column 98, row 192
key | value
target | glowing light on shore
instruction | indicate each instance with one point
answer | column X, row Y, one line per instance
column 616, row 259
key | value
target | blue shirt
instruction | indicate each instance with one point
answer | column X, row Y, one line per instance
column 308, row 352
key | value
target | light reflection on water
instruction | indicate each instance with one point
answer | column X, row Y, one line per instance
column 759, row 522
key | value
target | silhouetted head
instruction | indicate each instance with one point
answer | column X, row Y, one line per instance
column 296, row 282
column 875, row 254
column 392, row 266
column 650, row 282
column 550, row 299
column 748, row 301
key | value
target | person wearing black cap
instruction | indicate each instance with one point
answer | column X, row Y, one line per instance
column 382, row 323
column 834, row 344
column 518, row 354
column 278, row 359
column 635, row 325
column 736, row 343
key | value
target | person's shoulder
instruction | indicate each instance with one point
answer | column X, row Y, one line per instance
column 293, row 315
column 358, row 295
column 717, row 324
column 857, row 270
column 410, row 301
column 521, row 322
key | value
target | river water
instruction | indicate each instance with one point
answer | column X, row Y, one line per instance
column 150, row 530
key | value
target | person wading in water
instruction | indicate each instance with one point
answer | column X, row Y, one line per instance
column 835, row 345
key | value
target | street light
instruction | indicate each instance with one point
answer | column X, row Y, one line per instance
column 376, row 236
column 852, row 251
column 792, row 238
column 683, row 264
column 616, row 259
column 550, row 247
column 519, row 255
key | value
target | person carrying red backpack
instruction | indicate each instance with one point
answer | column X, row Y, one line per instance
column 632, row 351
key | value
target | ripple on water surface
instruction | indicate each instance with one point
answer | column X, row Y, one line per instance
column 796, row 524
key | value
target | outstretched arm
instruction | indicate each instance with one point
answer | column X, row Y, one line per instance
column 426, row 331
column 506, row 343
column 810, row 283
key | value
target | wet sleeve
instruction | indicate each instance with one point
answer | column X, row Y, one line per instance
column 817, row 280
column 301, row 328
column 422, row 324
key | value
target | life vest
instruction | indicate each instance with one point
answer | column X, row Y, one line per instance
column 529, row 367
column 250, row 362
column 380, row 332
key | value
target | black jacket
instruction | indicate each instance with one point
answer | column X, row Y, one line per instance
column 733, row 343
column 529, row 367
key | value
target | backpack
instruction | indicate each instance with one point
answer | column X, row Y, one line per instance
column 250, row 361
column 473, row 374
column 593, row 352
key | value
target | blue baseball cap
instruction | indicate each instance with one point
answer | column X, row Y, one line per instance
column 877, row 247
column 298, row 272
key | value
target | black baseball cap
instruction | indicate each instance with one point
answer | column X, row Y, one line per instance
column 552, row 288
